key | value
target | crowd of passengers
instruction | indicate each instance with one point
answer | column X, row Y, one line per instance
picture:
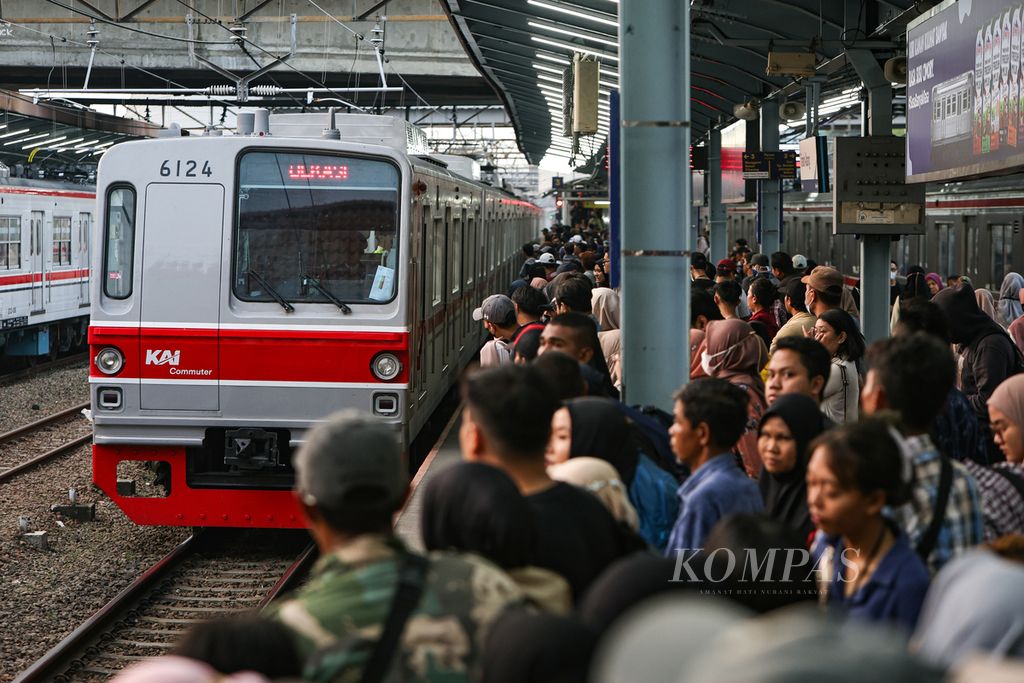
column 813, row 506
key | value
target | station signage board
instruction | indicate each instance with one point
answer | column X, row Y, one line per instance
column 557, row 182
column 769, row 165
column 965, row 90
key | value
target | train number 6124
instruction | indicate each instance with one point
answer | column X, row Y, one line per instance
column 185, row 168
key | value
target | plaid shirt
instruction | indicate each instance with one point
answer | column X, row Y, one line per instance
column 963, row 527
column 1001, row 502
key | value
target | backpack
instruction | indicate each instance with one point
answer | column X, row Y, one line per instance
column 494, row 353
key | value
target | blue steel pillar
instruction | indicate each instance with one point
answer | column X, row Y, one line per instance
column 654, row 77
column 874, row 249
column 716, row 209
column 769, row 195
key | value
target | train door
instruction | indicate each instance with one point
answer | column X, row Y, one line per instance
column 1002, row 253
column 36, row 261
column 84, row 237
column 420, row 377
column 435, row 326
column 180, row 304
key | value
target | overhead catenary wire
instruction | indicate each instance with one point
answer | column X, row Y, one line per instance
column 267, row 52
column 136, row 30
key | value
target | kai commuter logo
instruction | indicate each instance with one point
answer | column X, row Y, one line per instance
column 163, row 357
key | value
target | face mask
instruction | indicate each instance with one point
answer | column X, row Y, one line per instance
column 705, row 363
column 807, row 299
column 892, row 276
column 705, row 357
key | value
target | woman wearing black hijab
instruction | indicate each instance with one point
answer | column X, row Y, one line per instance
column 786, row 429
column 476, row 508
column 596, row 428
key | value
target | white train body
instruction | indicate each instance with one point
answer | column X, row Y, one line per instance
column 45, row 233
column 250, row 286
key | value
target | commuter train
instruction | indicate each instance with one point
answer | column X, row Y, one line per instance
column 250, row 285
column 971, row 228
column 45, row 232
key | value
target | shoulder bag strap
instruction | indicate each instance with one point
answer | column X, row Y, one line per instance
column 411, row 580
column 1015, row 479
column 927, row 543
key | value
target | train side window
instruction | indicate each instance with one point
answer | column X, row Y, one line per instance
column 62, row 240
column 456, row 262
column 10, row 242
column 437, row 292
column 469, row 249
column 1002, row 251
column 119, row 250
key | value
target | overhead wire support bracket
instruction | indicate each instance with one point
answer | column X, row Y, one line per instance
column 241, row 82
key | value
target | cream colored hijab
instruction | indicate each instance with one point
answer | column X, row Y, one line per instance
column 601, row 479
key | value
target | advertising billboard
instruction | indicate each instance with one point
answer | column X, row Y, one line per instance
column 964, row 90
column 737, row 138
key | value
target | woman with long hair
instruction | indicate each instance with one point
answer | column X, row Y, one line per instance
column 839, row 334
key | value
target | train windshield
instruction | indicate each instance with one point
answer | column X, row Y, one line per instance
column 316, row 228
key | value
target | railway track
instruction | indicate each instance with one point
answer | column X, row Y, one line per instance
column 42, row 440
column 213, row 573
column 10, row 375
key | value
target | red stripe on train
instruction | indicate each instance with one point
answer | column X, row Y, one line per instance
column 48, row 193
column 251, row 355
column 38, row 277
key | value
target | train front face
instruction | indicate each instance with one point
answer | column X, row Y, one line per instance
column 246, row 289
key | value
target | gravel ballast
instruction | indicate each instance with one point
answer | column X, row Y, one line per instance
column 46, row 594
column 28, row 400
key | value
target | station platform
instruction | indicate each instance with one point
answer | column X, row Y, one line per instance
column 444, row 453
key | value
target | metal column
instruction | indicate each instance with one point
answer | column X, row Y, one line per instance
column 716, row 210
column 874, row 249
column 769, row 192
column 565, row 209
column 654, row 75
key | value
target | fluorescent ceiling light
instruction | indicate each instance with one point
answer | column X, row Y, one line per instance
column 30, row 137
column 66, row 143
column 15, row 132
column 43, row 143
column 573, row 48
column 551, row 58
column 573, row 11
column 545, row 67
column 573, row 34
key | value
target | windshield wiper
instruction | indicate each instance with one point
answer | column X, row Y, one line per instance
column 262, row 281
column 315, row 284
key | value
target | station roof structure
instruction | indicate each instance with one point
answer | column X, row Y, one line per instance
column 60, row 132
column 521, row 48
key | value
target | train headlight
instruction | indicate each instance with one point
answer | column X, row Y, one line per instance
column 109, row 361
column 386, row 366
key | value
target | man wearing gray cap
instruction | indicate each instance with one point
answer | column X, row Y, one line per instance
column 370, row 603
column 498, row 314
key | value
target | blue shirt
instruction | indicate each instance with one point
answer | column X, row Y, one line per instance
column 653, row 494
column 717, row 489
column 893, row 593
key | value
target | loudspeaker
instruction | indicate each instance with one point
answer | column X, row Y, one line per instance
column 896, row 70
column 792, row 111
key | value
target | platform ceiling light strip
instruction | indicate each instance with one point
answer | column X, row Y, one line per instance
column 15, row 132
column 43, row 143
column 573, row 34
column 573, row 11
column 573, row 48
column 552, row 58
column 65, row 143
column 30, row 137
